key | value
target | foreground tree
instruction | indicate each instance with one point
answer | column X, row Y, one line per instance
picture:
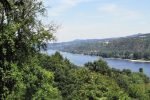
column 22, row 35
column 98, row 66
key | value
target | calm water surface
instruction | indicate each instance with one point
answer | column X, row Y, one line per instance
column 80, row 60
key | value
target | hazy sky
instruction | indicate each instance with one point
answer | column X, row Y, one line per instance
column 84, row 19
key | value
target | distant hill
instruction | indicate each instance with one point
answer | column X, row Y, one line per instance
column 130, row 47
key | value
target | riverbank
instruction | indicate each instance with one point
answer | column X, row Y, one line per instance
column 118, row 63
column 131, row 60
column 141, row 60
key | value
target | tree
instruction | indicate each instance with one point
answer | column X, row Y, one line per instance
column 137, row 55
column 98, row 66
column 141, row 70
column 127, row 71
column 32, row 82
column 22, row 35
column 82, row 84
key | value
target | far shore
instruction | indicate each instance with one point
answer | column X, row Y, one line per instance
column 138, row 60
column 131, row 60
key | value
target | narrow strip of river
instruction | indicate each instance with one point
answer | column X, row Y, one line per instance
column 80, row 60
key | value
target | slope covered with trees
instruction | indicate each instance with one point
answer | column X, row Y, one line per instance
column 96, row 80
column 131, row 47
column 27, row 74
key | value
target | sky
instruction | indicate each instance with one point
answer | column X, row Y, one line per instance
column 97, row 19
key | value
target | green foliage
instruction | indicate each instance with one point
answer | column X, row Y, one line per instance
column 26, row 74
column 22, row 35
column 126, row 71
column 131, row 47
column 95, row 81
column 134, row 84
column 98, row 66
column 33, row 82
column 87, row 84
column 141, row 70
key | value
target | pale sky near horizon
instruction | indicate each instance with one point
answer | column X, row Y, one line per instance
column 89, row 19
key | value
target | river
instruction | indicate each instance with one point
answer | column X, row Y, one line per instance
column 80, row 60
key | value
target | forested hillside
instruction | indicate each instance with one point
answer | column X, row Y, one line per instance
column 96, row 80
column 130, row 47
column 28, row 74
